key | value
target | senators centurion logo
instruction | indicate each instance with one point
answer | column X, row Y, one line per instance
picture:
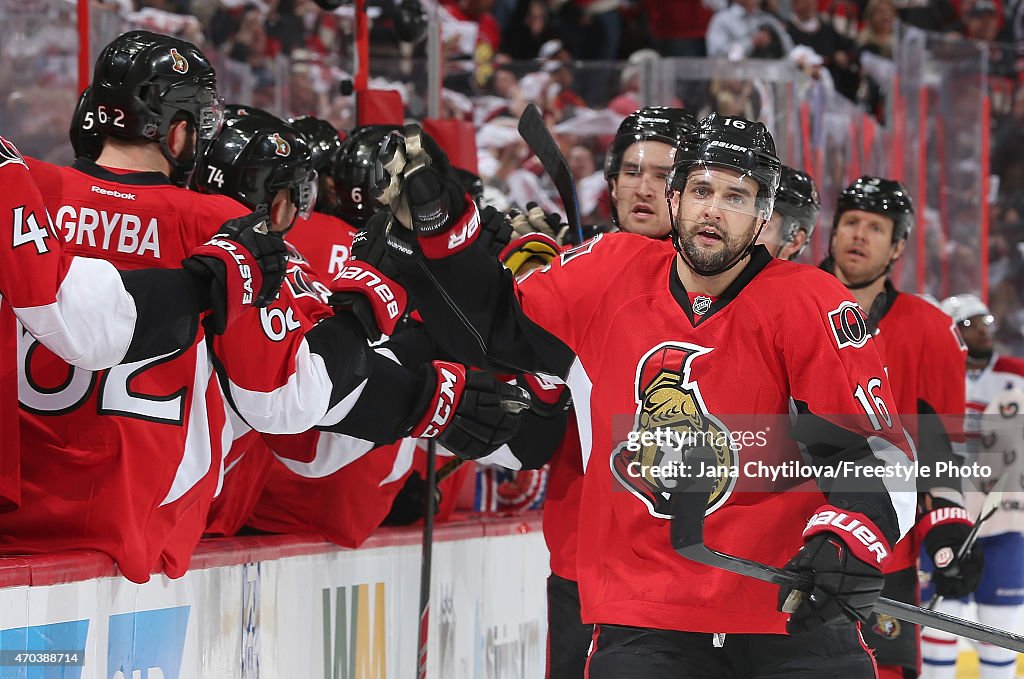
column 180, row 64
column 669, row 401
column 283, row 147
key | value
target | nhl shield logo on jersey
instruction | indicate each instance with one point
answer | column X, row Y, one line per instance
column 180, row 64
column 849, row 326
column 283, row 147
column 701, row 304
column 671, row 418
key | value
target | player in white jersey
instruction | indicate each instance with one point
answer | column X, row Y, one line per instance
column 995, row 398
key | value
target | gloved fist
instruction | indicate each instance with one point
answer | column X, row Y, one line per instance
column 495, row 230
column 944, row 529
column 412, row 176
column 367, row 286
column 470, row 413
column 536, row 221
column 243, row 266
column 842, row 553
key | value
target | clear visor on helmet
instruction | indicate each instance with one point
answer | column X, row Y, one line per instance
column 704, row 191
column 985, row 320
column 211, row 114
column 645, row 163
column 303, row 194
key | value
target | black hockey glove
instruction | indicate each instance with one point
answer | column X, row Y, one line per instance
column 470, row 413
column 944, row 529
column 846, row 572
column 243, row 265
column 368, row 285
column 495, row 230
column 547, row 399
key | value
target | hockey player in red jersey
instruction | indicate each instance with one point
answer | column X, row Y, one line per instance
column 84, row 310
column 995, row 397
column 325, row 238
column 639, row 159
column 796, row 212
column 140, row 444
column 689, row 335
column 924, row 359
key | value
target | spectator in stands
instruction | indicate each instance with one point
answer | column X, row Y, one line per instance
column 744, row 31
column 932, row 15
column 592, row 29
column 527, row 30
column 982, row 20
column 285, row 28
column 807, row 27
column 591, row 185
column 248, row 44
column 879, row 22
column 677, row 28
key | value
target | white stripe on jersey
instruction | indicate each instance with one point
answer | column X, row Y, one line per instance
column 581, row 387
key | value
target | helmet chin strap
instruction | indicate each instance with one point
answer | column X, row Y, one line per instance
column 713, row 272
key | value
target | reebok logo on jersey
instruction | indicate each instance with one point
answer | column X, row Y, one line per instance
column 849, row 326
column 841, row 522
column 112, row 193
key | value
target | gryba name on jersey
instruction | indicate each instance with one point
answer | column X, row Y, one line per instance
column 668, row 399
column 120, row 231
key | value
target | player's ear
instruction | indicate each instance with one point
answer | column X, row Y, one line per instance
column 282, row 212
column 799, row 238
column 898, row 249
column 178, row 137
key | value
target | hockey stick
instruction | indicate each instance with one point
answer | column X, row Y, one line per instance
column 535, row 133
column 428, row 544
column 991, row 505
column 687, row 534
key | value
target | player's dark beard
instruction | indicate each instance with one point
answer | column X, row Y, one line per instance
column 980, row 354
column 711, row 261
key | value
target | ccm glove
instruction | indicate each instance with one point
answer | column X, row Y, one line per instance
column 843, row 554
column 367, row 286
column 469, row 412
column 944, row 529
column 242, row 266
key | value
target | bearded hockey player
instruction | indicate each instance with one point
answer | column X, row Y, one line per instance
column 796, row 212
column 694, row 331
column 924, row 359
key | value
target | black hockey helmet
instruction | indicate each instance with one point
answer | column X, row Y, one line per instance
column 143, row 82
column 323, row 141
column 253, row 158
column 85, row 139
column 655, row 123
column 885, row 197
column 798, row 202
column 353, row 173
column 736, row 144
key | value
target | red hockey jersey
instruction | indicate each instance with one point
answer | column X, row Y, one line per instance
column 924, row 358
column 117, row 460
column 324, row 241
column 561, row 519
column 783, row 341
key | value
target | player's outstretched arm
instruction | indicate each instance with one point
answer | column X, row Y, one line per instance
column 468, row 300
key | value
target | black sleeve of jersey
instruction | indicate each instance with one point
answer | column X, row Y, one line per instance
column 830, row 444
column 384, row 409
column 413, row 346
column 933, row 446
column 469, row 304
column 167, row 304
column 538, row 438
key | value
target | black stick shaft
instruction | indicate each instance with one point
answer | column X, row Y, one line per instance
column 428, row 543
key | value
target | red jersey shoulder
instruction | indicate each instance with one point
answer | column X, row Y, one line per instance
column 47, row 176
column 1009, row 364
column 913, row 317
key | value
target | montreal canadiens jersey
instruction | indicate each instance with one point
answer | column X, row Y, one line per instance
column 924, row 358
column 784, row 343
column 995, row 420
